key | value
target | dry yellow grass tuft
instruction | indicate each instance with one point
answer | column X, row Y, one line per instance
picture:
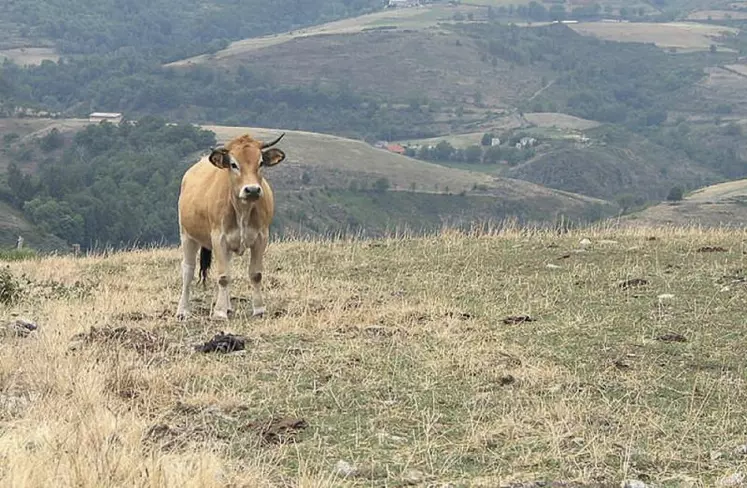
column 388, row 362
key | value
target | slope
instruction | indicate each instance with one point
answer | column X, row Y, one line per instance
column 328, row 184
column 723, row 204
column 613, row 164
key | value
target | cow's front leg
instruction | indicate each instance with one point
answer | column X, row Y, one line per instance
column 223, row 267
column 255, row 274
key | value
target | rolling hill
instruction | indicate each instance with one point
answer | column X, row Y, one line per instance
column 331, row 184
column 328, row 180
column 609, row 169
column 723, row 204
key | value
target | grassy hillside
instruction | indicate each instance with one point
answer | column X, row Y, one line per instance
column 614, row 164
column 328, row 184
column 724, row 204
column 389, row 362
column 13, row 224
column 685, row 36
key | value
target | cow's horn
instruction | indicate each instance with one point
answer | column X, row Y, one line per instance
column 270, row 144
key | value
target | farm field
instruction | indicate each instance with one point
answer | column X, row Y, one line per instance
column 29, row 55
column 680, row 35
column 400, row 361
column 406, row 18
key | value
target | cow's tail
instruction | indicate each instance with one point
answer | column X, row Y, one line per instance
column 206, row 256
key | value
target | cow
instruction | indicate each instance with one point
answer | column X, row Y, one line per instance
column 226, row 206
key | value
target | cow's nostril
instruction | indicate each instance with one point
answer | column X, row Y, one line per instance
column 252, row 190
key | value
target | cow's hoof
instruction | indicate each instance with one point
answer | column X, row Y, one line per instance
column 182, row 316
column 258, row 312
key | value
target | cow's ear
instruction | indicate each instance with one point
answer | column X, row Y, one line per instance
column 273, row 156
column 219, row 157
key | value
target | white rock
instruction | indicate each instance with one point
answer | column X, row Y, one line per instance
column 725, row 289
column 734, row 479
column 741, row 450
column 585, row 242
column 553, row 266
column 633, row 484
column 665, row 297
column 413, row 477
column 344, row 468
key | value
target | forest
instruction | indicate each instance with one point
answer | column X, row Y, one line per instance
column 111, row 185
column 167, row 29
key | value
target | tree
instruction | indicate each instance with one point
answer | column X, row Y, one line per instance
column 381, row 185
column 473, row 154
column 443, row 151
column 675, row 194
column 487, row 139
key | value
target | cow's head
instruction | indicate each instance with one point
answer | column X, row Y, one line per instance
column 244, row 157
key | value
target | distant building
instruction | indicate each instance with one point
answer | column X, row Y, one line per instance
column 495, row 142
column 395, row 148
column 402, row 3
column 526, row 142
column 113, row 117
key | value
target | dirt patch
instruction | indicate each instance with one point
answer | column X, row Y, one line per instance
column 134, row 338
column 224, row 343
column 459, row 315
column 671, row 337
column 711, row 249
column 517, row 319
column 278, row 430
column 633, row 283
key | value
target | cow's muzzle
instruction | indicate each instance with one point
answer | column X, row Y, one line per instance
column 250, row 192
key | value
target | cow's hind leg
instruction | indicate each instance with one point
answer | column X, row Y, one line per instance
column 255, row 274
column 223, row 265
column 189, row 258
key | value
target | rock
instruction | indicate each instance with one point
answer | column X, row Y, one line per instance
column 413, row 477
column 20, row 328
column 633, row 484
column 665, row 297
column 585, row 242
column 553, row 266
column 734, row 479
column 344, row 468
column 742, row 450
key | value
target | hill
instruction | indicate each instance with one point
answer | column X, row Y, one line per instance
column 724, row 204
column 328, row 184
column 613, row 164
column 13, row 224
column 683, row 36
column 392, row 362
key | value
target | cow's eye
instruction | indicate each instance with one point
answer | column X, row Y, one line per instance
column 234, row 165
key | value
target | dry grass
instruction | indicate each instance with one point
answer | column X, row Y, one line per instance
column 395, row 354
column 716, row 15
column 724, row 204
column 681, row 35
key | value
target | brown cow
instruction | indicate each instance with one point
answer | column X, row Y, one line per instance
column 226, row 206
